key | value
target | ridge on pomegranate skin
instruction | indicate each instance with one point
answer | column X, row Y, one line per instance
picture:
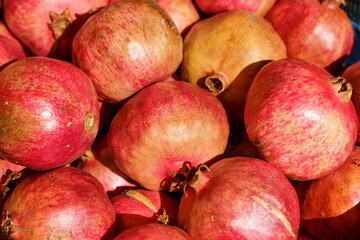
column 246, row 198
column 165, row 127
column 34, row 22
column 300, row 118
column 127, row 46
column 45, row 121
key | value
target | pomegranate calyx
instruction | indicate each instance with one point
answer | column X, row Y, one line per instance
column 217, row 82
column 341, row 87
column 5, row 227
column 11, row 180
column 186, row 176
column 164, row 218
column 59, row 22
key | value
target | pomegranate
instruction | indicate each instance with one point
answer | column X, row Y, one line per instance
column 153, row 231
column 38, row 24
column 4, row 31
column 329, row 205
column 217, row 49
column 9, row 50
column 315, row 30
column 98, row 162
column 301, row 118
column 259, row 7
column 136, row 44
column 138, row 206
column 246, row 198
column 46, row 122
column 65, row 203
column 165, row 126
column 352, row 75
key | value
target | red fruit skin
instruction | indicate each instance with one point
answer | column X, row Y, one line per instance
column 153, row 231
column 101, row 165
column 64, row 203
column 9, row 50
column 120, row 60
column 318, row 32
column 329, row 205
column 131, row 212
column 352, row 75
column 165, row 126
column 4, row 31
column 246, row 198
column 183, row 13
column 46, row 122
column 298, row 121
column 259, row 7
column 28, row 20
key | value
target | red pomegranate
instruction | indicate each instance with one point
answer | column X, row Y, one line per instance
column 10, row 50
column 65, row 203
column 137, row 207
column 153, row 231
column 4, row 31
column 316, row 30
column 137, row 44
column 352, row 75
column 229, row 48
column 37, row 24
column 246, row 198
column 46, row 122
column 301, row 118
column 259, row 7
column 98, row 162
column 165, row 126
column 329, row 205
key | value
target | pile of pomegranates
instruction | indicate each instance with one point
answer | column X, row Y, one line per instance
column 178, row 119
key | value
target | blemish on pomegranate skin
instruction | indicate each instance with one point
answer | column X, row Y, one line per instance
column 213, row 218
column 69, row 124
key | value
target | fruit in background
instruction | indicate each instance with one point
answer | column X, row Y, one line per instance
column 4, row 31
column 37, row 24
column 301, row 118
column 120, row 60
column 137, row 207
column 352, row 75
column 46, row 122
column 153, row 231
column 246, row 198
column 329, row 205
column 183, row 13
column 217, row 49
column 98, row 162
column 259, row 7
column 60, row 204
column 317, row 31
column 9, row 51
column 165, row 126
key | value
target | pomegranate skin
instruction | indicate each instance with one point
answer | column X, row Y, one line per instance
column 171, row 123
column 300, row 118
column 352, row 75
column 98, row 162
column 120, row 60
column 217, row 50
column 259, row 7
column 28, row 20
column 317, row 31
column 153, row 231
column 183, row 13
column 246, row 198
column 330, row 205
column 65, row 203
column 143, row 207
column 46, row 122
column 9, row 50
